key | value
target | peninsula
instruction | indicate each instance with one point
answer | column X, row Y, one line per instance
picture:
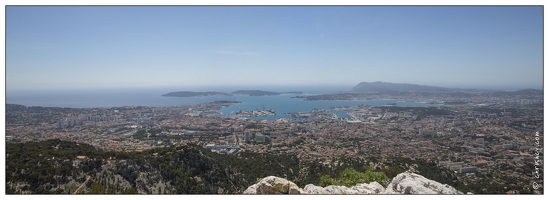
column 255, row 93
column 195, row 94
column 414, row 92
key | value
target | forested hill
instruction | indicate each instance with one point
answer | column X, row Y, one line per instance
column 394, row 87
column 63, row 167
column 52, row 167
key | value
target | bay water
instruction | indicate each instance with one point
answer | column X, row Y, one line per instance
column 283, row 103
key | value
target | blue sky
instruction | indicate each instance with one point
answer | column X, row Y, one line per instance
column 67, row 47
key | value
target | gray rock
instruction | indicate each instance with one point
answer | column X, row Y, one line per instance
column 363, row 188
column 274, row 185
column 410, row 183
column 369, row 188
column 404, row 183
column 313, row 189
column 251, row 190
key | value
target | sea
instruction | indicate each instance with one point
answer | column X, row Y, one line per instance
column 282, row 104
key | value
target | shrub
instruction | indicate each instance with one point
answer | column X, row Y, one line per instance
column 350, row 177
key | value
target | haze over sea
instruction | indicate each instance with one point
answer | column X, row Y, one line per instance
column 105, row 98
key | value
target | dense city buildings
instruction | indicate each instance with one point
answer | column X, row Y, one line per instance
column 494, row 136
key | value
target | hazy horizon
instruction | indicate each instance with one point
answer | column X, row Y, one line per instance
column 262, row 47
column 232, row 88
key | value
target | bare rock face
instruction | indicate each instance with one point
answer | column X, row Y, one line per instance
column 274, row 185
column 369, row 188
column 410, row 183
column 364, row 188
column 404, row 183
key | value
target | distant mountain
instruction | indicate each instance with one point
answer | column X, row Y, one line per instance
column 195, row 94
column 292, row 92
column 254, row 93
column 523, row 92
column 394, row 87
column 529, row 92
column 406, row 87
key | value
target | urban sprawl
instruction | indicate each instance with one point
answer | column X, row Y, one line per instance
column 468, row 136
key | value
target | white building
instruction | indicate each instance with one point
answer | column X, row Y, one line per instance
column 60, row 125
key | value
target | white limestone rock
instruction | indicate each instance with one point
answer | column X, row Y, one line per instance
column 410, row 183
column 369, row 188
column 274, row 185
column 363, row 188
column 331, row 189
column 404, row 183
column 313, row 189
column 251, row 190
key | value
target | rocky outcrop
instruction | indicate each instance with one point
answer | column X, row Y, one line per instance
column 274, row 185
column 404, row 183
column 410, row 183
column 370, row 188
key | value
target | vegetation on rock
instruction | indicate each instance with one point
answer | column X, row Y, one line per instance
column 350, row 177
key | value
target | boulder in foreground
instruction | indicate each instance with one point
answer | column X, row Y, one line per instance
column 404, row 183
